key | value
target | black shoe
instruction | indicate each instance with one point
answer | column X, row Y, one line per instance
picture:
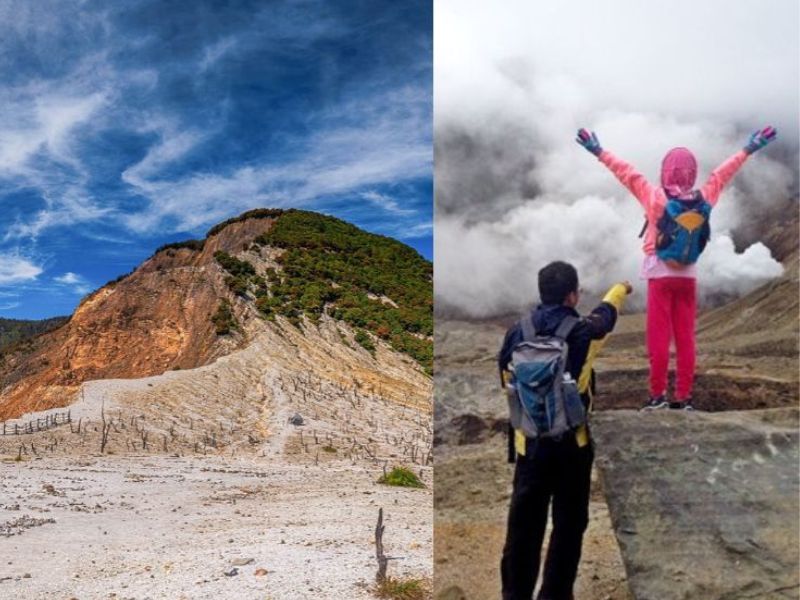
column 656, row 402
column 682, row 405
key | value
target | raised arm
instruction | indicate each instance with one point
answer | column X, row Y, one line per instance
column 601, row 325
column 627, row 175
column 721, row 176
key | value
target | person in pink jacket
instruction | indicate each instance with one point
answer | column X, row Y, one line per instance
column 671, row 287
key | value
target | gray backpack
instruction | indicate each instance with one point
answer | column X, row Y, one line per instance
column 543, row 399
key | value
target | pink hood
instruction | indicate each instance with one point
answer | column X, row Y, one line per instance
column 678, row 172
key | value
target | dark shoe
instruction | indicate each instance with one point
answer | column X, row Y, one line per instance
column 682, row 405
column 656, row 402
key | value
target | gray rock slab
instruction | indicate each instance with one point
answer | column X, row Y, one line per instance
column 704, row 505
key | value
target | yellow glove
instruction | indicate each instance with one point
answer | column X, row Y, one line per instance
column 616, row 295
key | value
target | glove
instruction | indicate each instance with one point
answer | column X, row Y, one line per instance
column 759, row 139
column 589, row 141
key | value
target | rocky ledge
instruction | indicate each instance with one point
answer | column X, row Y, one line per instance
column 704, row 505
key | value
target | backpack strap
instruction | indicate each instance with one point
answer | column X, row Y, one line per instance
column 701, row 200
column 697, row 200
column 528, row 328
column 644, row 227
column 566, row 326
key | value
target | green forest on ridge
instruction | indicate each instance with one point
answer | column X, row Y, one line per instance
column 372, row 282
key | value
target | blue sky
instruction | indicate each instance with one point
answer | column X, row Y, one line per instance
column 128, row 125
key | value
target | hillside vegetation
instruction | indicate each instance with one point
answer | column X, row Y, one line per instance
column 13, row 331
column 372, row 282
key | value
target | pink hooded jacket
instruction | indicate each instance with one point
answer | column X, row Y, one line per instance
column 678, row 173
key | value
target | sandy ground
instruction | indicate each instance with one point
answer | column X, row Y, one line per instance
column 163, row 527
column 203, row 473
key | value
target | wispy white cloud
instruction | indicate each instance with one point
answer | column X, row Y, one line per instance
column 67, row 278
column 17, row 269
column 40, row 127
column 387, row 203
column 74, row 281
column 216, row 51
column 71, row 207
column 9, row 305
column 33, row 125
column 389, row 145
column 40, row 117
column 376, row 133
column 406, row 229
column 416, row 231
column 173, row 145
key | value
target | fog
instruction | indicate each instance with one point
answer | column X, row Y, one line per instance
column 514, row 190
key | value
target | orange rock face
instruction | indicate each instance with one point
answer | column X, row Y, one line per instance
column 156, row 319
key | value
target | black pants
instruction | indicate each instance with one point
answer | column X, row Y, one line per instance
column 561, row 471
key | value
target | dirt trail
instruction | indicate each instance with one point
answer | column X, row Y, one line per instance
column 278, row 412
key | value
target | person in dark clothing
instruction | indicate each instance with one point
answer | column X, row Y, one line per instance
column 549, row 469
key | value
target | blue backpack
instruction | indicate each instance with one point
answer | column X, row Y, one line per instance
column 683, row 230
column 543, row 398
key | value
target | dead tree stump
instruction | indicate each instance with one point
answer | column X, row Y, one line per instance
column 383, row 560
column 106, row 428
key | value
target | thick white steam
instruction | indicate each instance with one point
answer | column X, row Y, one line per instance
column 512, row 85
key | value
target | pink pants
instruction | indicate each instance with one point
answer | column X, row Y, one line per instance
column 671, row 308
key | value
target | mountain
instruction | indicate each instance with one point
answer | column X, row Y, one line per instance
column 281, row 273
column 261, row 380
column 761, row 323
column 14, row 331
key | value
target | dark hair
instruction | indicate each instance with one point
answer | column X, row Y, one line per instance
column 556, row 281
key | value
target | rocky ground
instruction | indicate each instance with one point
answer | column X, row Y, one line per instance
column 704, row 505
